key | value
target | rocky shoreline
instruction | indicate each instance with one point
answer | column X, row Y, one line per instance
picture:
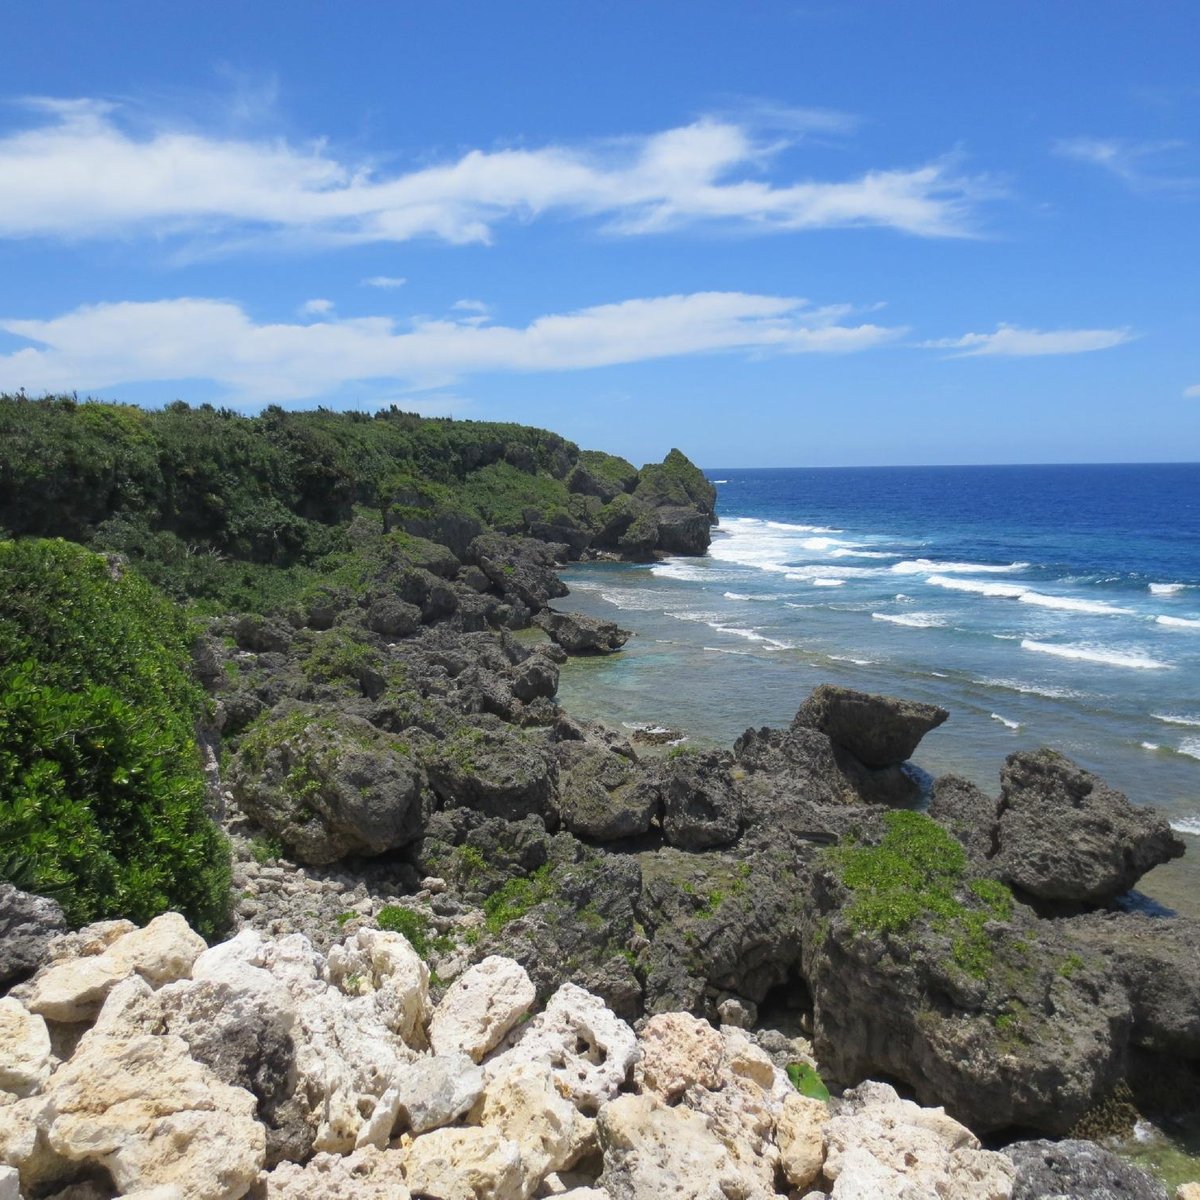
column 410, row 807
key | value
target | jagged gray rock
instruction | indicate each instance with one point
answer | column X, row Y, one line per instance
column 577, row 633
column 1077, row 1170
column 28, row 923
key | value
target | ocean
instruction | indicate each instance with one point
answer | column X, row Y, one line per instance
column 1041, row 605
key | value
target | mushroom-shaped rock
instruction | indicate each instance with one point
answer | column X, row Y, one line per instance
column 1064, row 835
column 880, row 731
column 481, row 1006
column 577, row 633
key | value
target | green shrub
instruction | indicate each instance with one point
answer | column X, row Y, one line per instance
column 101, row 786
column 395, row 918
column 516, row 897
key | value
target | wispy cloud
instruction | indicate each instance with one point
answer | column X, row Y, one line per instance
column 82, row 170
column 1011, row 342
column 316, row 308
column 1144, row 166
column 384, row 281
column 215, row 340
column 1193, row 392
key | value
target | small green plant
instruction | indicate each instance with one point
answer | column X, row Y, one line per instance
column 470, row 860
column 395, row 918
column 1071, row 966
column 264, row 847
column 343, row 917
column 807, row 1081
column 516, row 898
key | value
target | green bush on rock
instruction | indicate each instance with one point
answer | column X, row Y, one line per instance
column 101, row 786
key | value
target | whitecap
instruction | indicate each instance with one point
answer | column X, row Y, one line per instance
column 851, row 551
column 1166, row 589
column 1178, row 622
column 1190, row 747
column 901, row 598
column 631, row 599
column 1187, row 825
column 1176, row 719
column 919, row 566
column 1096, row 654
column 749, row 596
column 1150, row 746
column 752, row 635
column 726, row 650
column 980, row 587
column 1032, row 689
column 1006, row 722
column 686, row 572
column 858, row 662
column 718, row 481
column 645, row 727
column 822, row 582
column 1009, row 591
column 914, row 620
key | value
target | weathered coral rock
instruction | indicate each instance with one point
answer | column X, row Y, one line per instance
column 471, row 1163
column 880, row 731
column 589, row 1049
column 885, row 1147
column 527, row 1107
column 652, row 1150
column 482, row 1005
column 364, row 1175
column 679, row 1051
column 1064, row 835
column 74, row 988
column 800, row 1138
column 384, row 965
column 24, row 1049
column 424, row 1095
column 27, row 926
column 1077, row 1168
column 577, row 633
column 148, row 1114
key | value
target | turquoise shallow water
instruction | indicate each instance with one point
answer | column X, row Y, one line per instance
column 1041, row 605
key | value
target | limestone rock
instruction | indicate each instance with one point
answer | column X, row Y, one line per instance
column 74, row 989
column 887, row 1147
column 364, row 1175
column 10, row 1184
column 880, row 731
column 590, row 1050
column 679, row 1051
column 482, row 1005
column 1077, row 1169
column 24, row 1049
column 798, row 1133
column 527, row 1107
column 148, row 1114
column 28, row 924
column 161, row 952
column 577, row 633
column 1064, row 835
column 1188, row 1191
column 471, row 1163
column 424, row 1095
column 386, row 966
column 652, row 1150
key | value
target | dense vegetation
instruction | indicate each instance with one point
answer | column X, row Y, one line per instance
column 101, row 786
column 243, row 511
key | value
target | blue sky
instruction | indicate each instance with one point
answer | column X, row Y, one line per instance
column 772, row 234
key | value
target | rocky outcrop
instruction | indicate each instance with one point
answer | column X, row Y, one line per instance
column 880, row 731
column 27, row 926
column 1073, row 1169
column 1063, row 835
column 580, row 634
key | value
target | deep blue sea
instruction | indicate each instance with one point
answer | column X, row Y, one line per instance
column 1042, row 605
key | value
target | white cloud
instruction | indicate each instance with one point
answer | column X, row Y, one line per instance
column 1144, row 166
column 1193, row 392
column 84, row 172
column 110, row 344
column 384, row 281
column 1009, row 341
column 316, row 308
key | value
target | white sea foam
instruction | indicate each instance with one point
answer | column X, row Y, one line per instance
column 1010, row 591
column 1033, row 689
column 718, row 481
column 1190, row 747
column 901, row 598
column 1150, row 746
column 829, row 571
column 726, row 650
column 1006, row 722
column 1096, row 654
column 752, row 635
column 914, row 620
column 819, row 581
column 852, row 551
column 1176, row 719
column 1166, row 589
column 1187, row 825
column 645, row 727
column 1178, row 622
column 858, row 662
column 920, row 566
column 790, row 527
column 632, row 599
column 686, row 572
column 749, row 596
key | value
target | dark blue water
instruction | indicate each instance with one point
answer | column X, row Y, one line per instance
column 1042, row 605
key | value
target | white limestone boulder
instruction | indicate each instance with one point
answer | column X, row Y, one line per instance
column 385, row 966
column 589, row 1049
column 480, row 1007
column 466, row 1163
column 24, row 1049
column 678, row 1051
column 425, row 1094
